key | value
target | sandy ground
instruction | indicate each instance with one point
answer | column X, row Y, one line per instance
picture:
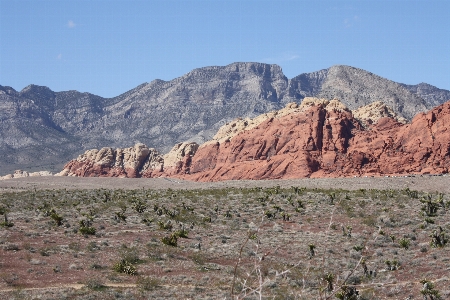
column 427, row 183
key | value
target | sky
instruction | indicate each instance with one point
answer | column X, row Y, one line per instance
column 107, row 47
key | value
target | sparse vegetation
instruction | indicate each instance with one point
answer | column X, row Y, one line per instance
column 125, row 267
column 275, row 242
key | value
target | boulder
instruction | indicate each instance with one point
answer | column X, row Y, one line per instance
column 179, row 158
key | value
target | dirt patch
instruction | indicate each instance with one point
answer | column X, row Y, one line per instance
column 430, row 183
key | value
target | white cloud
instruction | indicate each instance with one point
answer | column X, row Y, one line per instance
column 288, row 57
column 351, row 21
column 71, row 24
column 282, row 57
column 59, row 57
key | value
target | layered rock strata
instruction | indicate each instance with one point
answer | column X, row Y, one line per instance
column 329, row 143
column 318, row 138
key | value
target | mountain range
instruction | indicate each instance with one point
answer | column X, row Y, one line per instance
column 42, row 129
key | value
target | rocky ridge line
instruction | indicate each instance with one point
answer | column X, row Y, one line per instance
column 318, row 138
column 43, row 129
column 329, row 143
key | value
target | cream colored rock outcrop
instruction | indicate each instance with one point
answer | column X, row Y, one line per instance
column 139, row 158
column 178, row 152
column 23, row 174
column 372, row 112
column 231, row 129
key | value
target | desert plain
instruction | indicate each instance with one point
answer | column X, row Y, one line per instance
column 121, row 238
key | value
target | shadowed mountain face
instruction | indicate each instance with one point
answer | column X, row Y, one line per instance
column 41, row 129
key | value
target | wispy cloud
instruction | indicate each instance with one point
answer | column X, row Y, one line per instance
column 59, row 56
column 341, row 8
column 71, row 24
column 288, row 57
column 350, row 22
column 282, row 57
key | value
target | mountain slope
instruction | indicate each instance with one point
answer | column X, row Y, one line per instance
column 432, row 95
column 192, row 107
column 28, row 136
column 356, row 87
column 315, row 139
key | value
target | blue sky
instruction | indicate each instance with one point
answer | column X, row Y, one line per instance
column 108, row 47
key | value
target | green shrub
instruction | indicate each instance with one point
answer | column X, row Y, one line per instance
column 404, row 243
column 120, row 216
column 129, row 254
column 438, row 239
column 171, row 240
column 429, row 220
column 125, row 267
column 329, row 279
column 139, row 206
column 182, row 233
column 428, row 290
column 6, row 222
column 165, row 226
column 86, row 228
column 358, row 248
column 57, row 218
column 392, row 265
column 348, row 293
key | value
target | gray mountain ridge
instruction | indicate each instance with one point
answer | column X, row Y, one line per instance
column 42, row 129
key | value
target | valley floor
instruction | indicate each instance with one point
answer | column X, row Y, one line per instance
column 110, row 238
column 428, row 183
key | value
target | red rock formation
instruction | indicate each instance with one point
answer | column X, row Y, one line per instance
column 316, row 142
column 320, row 143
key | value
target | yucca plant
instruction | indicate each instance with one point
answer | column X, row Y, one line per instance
column 404, row 243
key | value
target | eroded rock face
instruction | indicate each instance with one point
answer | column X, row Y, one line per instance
column 178, row 160
column 318, row 138
column 178, row 152
column 329, row 143
column 37, row 118
column 229, row 130
column 108, row 162
column 371, row 113
column 22, row 174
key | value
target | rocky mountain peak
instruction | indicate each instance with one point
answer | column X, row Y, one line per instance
column 191, row 107
column 37, row 92
column 7, row 90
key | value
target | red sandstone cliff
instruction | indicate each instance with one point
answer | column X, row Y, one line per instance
column 315, row 142
column 321, row 143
